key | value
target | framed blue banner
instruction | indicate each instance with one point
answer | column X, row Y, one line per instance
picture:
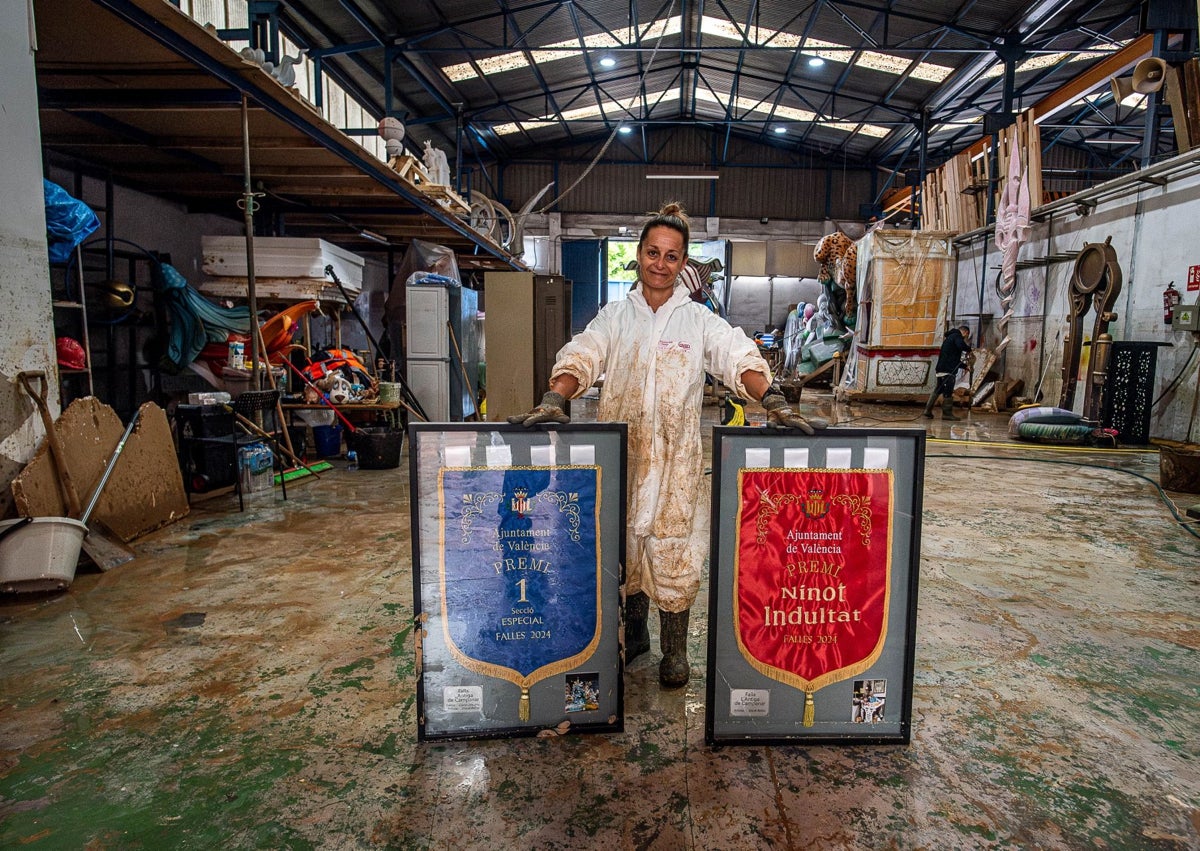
column 518, row 540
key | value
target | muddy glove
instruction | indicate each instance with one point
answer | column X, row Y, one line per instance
column 780, row 415
column 549, row 410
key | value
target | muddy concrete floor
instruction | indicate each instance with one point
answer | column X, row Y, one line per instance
column 248, row 682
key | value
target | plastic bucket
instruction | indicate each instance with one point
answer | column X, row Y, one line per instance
column 299, row 437
column 42, row 556
column 328, row 440
column 378, row 448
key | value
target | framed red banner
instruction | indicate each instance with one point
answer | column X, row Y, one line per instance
column 812, row 593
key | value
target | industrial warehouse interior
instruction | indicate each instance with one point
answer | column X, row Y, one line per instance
column 364, row 396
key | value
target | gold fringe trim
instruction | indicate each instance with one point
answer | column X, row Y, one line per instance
column 787, row 677
column 500, row 672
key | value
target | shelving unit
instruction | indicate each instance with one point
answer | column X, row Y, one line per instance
column 71, row 320
column 156, row 100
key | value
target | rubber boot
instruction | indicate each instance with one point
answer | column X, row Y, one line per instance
column 673, row 670
column 948, row 410
column 928, row 413
column 637, row 631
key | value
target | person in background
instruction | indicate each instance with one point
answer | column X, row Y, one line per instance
column 653, row 349
column 955, row 349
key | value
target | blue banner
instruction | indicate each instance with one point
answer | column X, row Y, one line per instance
column 520, row 569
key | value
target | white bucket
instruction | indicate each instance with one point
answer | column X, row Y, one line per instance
column 42, row 556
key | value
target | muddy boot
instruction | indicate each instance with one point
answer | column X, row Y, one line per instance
column 637, row 632
column 948, row 410
column 673, row 671
column 928, row 412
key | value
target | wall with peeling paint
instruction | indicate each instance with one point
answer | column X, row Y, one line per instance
column 1153, row 231
column 26, row 325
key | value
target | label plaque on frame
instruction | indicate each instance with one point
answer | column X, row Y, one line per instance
column 813, row 585
column 518, row 540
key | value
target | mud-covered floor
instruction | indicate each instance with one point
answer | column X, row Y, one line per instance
column 248, row 682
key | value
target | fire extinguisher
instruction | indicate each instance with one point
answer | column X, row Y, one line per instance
column 1171, row 298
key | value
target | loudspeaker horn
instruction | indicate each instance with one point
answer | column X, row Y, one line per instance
column 1122, row 87
column 1149, row 75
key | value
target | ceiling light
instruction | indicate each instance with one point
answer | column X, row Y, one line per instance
column 815, row 62
column 781, row 130
column 624, row 130
column 607, row 62
column 682, row 175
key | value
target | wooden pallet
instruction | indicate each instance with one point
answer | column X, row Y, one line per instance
column 447, row 197
column 410, row 168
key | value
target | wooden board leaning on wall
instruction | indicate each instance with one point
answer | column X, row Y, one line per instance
column 956, row 193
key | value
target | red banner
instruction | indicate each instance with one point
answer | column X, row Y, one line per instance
column 812, row 572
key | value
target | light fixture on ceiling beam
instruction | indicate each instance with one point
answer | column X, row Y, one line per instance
column 781, row 130
column 815, row 62
column 607, row 62
column 682, row 175
column 625, row 129
column 373, row 237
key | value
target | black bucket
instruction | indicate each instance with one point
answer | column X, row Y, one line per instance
column 378, row 447
column 299, row 436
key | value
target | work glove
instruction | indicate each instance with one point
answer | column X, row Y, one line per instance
column 780, row 415
column 549, row 410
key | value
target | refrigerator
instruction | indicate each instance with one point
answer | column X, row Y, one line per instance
column 443, row 348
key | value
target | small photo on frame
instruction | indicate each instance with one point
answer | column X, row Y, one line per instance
column 518, row 547
column 813, row 585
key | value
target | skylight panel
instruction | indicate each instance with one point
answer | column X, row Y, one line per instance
column 830, row 50
column 1049, row 60
column 761, row 36
column 515, row 60
column 585, row 112
column 792, row 114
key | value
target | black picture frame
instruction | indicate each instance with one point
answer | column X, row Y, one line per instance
column 481, row 674
column 745, row 701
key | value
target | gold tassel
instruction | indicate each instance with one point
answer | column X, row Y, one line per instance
column 809, row 710
column 523, row 706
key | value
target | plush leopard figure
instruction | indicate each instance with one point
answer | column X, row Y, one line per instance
column 838, row 257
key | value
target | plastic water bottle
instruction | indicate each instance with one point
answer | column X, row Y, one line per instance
column 352, row 458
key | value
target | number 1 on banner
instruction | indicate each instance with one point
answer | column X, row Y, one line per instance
column 521, row 585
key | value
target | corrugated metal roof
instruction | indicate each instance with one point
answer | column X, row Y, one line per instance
column 734, row 68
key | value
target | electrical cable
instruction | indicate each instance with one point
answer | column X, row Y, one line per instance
column 1183, row 523
column 1177, row 378
column 640, row 87
column 1047, row 447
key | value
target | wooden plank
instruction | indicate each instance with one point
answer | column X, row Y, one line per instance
column 1191, row 97
column 1117, row 63
column 1173, row 91
column 1029, row 140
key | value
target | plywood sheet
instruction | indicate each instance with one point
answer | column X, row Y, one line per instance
column 145, row 490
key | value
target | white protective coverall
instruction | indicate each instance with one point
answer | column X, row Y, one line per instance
column 653, row 363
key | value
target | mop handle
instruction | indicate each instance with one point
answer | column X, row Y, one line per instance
column 87, row 512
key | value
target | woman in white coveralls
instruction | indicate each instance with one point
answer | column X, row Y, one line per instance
column 653, row 349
